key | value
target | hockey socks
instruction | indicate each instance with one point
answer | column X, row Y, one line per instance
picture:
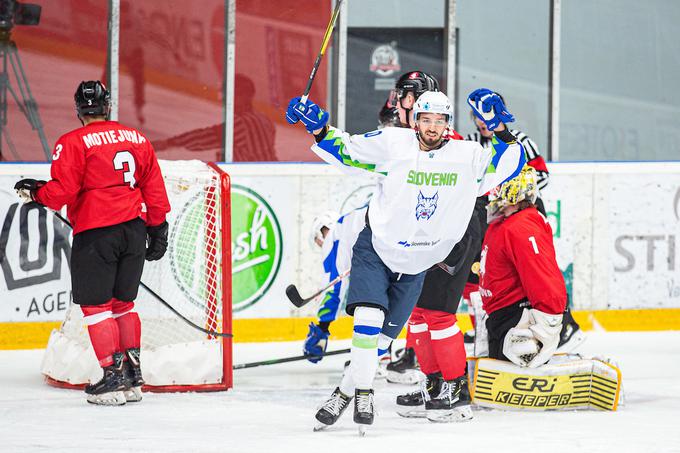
column 368, row 323
column 103, row 330
column 129, row 325
column 438, row 342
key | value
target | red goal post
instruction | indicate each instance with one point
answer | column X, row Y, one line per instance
column 194, row 277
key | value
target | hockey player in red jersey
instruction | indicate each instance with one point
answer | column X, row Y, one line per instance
column 521, row 286
column 108, row 177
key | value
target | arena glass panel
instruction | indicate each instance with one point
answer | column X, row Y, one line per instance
column 276, row 45
column 171, row 75
column 43, row 64
column 619, row 99
column 505, row 47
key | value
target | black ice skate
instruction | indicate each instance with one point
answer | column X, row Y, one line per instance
column 429, row 388
column 332, row 409
column 469, row 337
column 405, row 369
column 452, row 404
column 133, row 376
column 109, row 390
column 571, row 335
column 363, row 408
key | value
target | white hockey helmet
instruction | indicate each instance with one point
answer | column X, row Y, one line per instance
column 326, row 219
column 434, row 102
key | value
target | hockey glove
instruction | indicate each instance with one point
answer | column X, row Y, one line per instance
column 157, row 241
column 488, row 107
column 310, row 114
column 316, row 343
column 26, row 189
column 546, row 329
column 519, row 345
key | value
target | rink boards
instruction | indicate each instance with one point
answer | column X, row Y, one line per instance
column 615, row 230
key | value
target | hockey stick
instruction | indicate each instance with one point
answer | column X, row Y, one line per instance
column 159, row 298
column 287, row 359
column 326, row 39
column 294, row 295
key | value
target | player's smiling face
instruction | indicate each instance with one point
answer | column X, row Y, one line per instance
column 431, row 127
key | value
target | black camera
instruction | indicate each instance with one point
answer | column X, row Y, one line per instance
column 15, row 13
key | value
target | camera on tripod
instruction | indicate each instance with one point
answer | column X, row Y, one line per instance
column 14, row 13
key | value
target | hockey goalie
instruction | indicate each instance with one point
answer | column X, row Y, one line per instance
column 524, row 295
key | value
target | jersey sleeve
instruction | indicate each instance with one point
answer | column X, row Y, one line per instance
column 499, row 163
column 328, row 310
column 153, row 190
column 66, row 172
column 533, row 255
column 364, row 152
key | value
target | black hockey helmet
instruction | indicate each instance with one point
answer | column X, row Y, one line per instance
column 416, row 82
column 92, row 99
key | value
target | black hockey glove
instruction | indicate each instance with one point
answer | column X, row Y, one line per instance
column 26, row 189
column 157, row 241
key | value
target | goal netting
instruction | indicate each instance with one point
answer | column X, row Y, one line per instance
column 194, row 277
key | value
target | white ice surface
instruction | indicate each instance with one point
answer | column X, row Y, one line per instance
column 271, row 409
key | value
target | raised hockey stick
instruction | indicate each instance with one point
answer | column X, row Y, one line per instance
column 294, row 295
column 284, row 360
column 159, row 298
column 324, row 44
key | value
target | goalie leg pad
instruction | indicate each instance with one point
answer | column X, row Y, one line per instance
column 566, row 382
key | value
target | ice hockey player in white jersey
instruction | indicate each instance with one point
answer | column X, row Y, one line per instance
column 419, row 211
column 336, row 236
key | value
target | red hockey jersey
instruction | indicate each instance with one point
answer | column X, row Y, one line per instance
column 518, row 262
column 105, row 173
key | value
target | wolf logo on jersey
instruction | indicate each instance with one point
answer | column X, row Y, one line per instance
column 426, row 206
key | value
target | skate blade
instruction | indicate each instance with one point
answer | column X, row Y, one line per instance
column 107, row 399
column 133, row 394
column 362, row 430
column 320, row 427
column 456, row 415
column 413, row 413
column 409, row 377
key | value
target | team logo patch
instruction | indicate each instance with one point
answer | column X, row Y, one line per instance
column 426, row 206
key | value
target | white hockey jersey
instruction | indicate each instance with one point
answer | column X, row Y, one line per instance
column 424, row 200
column 337, row 258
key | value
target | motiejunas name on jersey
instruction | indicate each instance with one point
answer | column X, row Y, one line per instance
column 431, row 179
column 110, row 136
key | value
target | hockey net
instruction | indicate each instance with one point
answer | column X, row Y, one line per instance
column 194, row 277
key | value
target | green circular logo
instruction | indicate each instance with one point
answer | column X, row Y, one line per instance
column 256, row 246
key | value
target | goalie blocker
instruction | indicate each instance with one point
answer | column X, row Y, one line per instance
column 566, row 382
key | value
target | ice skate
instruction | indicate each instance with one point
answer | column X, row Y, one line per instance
column 108, row 391
column 452, row 404
column 133, row 376
column 412, row 402
column 332, row 409
column 571, row 335
column 405, row 369
column 363, row 409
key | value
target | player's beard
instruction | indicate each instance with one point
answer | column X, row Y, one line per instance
column 430, row 140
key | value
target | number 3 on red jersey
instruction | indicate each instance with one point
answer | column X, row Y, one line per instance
column 119, row 160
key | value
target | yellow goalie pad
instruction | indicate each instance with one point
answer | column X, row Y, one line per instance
column 566, row 382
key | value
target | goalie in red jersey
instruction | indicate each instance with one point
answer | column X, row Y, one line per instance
column 522, row 288
column 108, row 177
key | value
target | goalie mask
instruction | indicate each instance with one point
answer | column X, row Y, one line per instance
column 327, row 220
column 92, row 99
column 523, row 187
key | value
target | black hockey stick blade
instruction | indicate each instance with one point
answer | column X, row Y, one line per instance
column 294, row 296
column 284, row 360
column 159, row 298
